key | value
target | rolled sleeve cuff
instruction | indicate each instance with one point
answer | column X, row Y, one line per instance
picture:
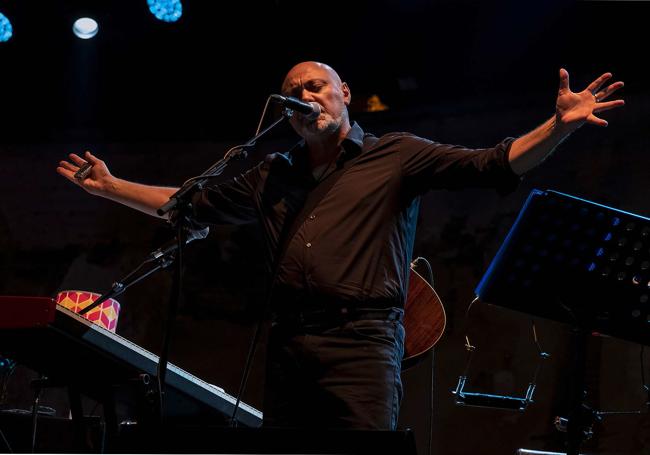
column 511, row 180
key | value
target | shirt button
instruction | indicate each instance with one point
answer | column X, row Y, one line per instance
column 308, row 244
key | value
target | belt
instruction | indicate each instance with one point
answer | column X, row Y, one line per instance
column 300, row 309
column 336, row 316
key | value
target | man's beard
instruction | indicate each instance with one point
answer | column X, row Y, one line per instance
column 323, row 125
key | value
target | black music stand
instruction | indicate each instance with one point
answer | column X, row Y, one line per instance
column 577, row 262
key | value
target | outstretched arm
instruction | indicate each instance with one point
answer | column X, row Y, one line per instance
column 101, row 182
column 572, row 110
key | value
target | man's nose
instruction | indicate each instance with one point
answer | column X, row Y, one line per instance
column 306, row 95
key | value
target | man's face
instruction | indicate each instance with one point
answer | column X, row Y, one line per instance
column 315, row 82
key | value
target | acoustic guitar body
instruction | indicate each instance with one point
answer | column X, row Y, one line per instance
column 424, row 320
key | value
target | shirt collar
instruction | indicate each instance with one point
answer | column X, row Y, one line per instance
column 354, row 137
column 352, row 146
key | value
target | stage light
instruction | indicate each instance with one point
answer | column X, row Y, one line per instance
column 166, row 10
column 85, row 28
column 6, row 30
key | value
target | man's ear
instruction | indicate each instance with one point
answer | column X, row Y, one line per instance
column 347, row 96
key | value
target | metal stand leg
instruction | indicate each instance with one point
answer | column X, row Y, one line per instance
column 110, row 419
column 77, row 418
column 38, row 387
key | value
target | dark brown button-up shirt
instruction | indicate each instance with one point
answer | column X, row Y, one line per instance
column 356, row 243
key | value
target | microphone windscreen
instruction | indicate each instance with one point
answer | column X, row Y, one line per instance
column 315, row 112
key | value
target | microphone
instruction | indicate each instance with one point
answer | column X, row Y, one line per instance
column 172, row 245
column 309, row 110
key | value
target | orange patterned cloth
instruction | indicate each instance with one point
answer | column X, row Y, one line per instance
column 104, row 315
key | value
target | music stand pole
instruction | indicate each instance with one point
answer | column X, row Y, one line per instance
column 576, row 417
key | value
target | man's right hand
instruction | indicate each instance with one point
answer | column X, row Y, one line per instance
column 99, row 179
column 100, row 182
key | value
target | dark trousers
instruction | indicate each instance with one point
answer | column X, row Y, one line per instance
column 347, row 376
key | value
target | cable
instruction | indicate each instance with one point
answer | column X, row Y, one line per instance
column 431, row 405
column 6, row 442
column 221, row 166
column 469, row 307
column 414, row 263
column 217, row 170
column 642, row 367
column 247, row 367
column 643, row 383
column 258, row 328
column 542, row 355
column 259, row 125
column 645, row 387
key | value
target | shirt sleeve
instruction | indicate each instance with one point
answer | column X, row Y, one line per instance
column 230, row 202
column 430, row 165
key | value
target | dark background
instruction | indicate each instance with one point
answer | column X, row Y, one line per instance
column 161, row 102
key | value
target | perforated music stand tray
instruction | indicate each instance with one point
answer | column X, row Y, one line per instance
column 575, row 261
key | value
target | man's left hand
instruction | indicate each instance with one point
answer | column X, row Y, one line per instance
column 572, row 110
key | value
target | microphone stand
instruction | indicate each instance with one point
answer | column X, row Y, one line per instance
column 163, row 260
column 180, row 203
column 182, row 196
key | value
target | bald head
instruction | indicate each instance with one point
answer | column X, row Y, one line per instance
column 303, row 69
